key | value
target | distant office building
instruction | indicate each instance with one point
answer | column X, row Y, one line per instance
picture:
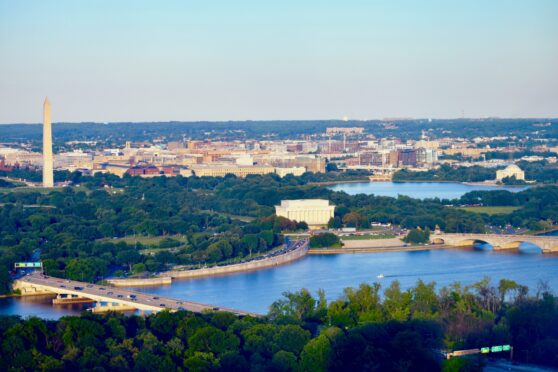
column 311, row 211
column 509, row 172
column 426, row 156
column 74, row 160
column 175, row 145
column 312, row 163
column 143, row 170
column 344, row 130
column 434, row 145
column 295, row 171
column 223, row 170
column 466, row 152
column 243, row 171
column 371, row 159
column 408, row 157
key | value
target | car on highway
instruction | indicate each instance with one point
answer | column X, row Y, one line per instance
column 109, row 293
column 162, row 305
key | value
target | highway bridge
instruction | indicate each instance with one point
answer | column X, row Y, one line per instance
column 548, row 244
column 107, row 298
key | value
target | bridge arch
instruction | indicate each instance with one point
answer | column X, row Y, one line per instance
column 438, row 241
column 518, row 243
column 482, row 245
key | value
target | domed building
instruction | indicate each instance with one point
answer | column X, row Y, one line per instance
column 510, row 171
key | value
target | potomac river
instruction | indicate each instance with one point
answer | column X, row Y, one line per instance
column 256, row 290
column 418, row 190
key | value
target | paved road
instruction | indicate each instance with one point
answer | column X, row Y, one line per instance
column 499, row 365
column 139, row 300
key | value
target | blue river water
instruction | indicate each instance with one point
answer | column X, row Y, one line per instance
column 256, row 290
column 418, row 190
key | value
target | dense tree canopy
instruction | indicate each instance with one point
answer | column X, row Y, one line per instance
column 202, row 221
column 364, row 330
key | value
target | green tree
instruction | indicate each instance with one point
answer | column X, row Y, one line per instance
column 284, row 361
column 324, row 240
column 418, row 236
column 316, row 354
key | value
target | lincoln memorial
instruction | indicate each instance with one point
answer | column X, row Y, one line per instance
column 311, row 211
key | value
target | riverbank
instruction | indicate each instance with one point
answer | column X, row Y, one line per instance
column 326, row 183
column 264, row 263
column 10, row 295
column 167, row 277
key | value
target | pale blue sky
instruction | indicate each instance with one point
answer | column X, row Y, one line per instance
column 290, row 59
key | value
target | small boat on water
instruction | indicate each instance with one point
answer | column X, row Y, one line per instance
column 381, row 276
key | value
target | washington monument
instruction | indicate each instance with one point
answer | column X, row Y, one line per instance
column 48, row 176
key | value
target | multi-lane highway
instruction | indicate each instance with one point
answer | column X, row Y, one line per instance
column 112, row 297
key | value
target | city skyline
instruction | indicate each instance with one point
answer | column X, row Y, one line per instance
column 278, row 185
column 141, row 62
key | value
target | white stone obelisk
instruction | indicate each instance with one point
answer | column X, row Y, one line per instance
column 48, row 173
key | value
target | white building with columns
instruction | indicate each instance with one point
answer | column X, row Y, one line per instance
column 311, row 211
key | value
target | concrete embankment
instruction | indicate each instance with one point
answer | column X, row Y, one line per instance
column 166, row 277
column 246, row 266
column 376, row 249
column 138, row 282
column 373, row 245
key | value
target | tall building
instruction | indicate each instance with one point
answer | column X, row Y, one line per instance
column 48, row 162
column 408, row 157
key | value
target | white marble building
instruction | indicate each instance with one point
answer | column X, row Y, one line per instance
column 311, row 211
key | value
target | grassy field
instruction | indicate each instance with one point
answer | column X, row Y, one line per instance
column 367, row 237
column 490, row 210
column 147, row 240
column 27, row 189
column 232, row 216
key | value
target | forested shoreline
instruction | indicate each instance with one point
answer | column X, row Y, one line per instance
column 74, row 227
column 540, row 171
column 367, row 329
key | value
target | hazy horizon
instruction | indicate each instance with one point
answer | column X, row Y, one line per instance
column 141, row 61
column 350, row 121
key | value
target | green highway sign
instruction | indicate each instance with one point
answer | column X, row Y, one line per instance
column 485, row 350
column 496, row 349
column 28, row 265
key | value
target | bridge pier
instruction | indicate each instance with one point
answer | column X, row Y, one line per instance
column 104, row 307
column 63, row 298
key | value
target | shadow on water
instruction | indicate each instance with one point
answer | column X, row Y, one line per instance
column 529, row 248
column 483, row 247
column 420, row 253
